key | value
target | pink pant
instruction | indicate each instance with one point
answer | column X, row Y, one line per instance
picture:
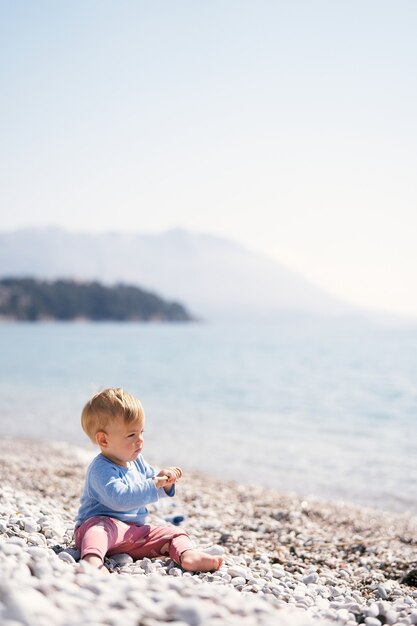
column 105, row 535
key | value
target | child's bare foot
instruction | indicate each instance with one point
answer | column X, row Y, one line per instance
column 196, row 561
column 96, row 562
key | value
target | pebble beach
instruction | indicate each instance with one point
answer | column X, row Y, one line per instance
column 288, row 561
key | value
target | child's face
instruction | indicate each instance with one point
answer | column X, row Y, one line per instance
column 122, row 442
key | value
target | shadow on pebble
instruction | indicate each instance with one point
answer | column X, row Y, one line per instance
column 411, row 578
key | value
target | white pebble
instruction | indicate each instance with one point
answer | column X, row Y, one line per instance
column 121, row 559
column 191, row 613
column 147, row 566
column 18, row 541
column 9, row 549
column 382, row 592
column 215, row 550
column 30, row 525
column 311, row 578
column 66, row 557
column 372, row 610
column 237, row 571
column 3, row 527
column 175, row 571
column 36, row 539
column 390, row 617
column 343, row 615
column 37, row 552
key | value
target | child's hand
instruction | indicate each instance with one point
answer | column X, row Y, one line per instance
column 171, row 473
column 160, row 481
column 166, row 477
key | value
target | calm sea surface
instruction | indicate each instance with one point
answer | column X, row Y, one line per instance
column 317, row 408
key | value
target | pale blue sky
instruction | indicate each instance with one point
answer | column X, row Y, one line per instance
column 287, row 126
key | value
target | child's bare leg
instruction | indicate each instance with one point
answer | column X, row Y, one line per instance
column 166, row 540
column 196, row 561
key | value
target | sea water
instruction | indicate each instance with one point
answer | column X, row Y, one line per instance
column 324, row 408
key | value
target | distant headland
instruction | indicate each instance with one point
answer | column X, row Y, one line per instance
column 29, row 299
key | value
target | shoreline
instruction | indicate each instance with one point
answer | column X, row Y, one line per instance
column 304, row 560
column 86, row 452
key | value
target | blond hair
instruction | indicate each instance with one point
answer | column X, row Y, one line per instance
column 106, row 406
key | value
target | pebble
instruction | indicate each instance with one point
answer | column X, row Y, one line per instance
column 66, row 557
column 372, row 610
column 237, row 571
column 147, row 566
column 190, row 613
column 10, row 549
column 215, row 550
column 175, row 571
column 311, row 578
column 121, row 559
column 37, row 539
column 30, row 525
column 382, row 592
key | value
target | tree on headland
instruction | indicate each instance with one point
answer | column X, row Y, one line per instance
column 28, row 299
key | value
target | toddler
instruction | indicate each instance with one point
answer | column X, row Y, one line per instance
column 120, row 484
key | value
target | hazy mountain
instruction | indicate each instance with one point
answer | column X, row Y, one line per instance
column 214, row 277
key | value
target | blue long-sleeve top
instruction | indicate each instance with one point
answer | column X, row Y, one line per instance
column 120, row 492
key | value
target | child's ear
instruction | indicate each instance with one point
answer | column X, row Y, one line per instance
column 101, row 439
